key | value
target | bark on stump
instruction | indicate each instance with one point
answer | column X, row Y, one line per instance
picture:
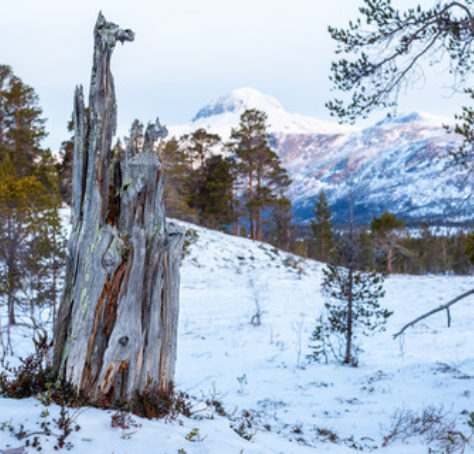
column 117, row 324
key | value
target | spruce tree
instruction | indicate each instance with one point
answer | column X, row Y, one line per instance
column 322, row 228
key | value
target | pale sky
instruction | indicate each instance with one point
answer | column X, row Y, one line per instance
column 188, row 52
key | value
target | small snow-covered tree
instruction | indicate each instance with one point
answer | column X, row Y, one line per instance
column 352, row 308
column 352, row 305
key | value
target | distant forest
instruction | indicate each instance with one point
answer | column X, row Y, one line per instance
column 236, row 186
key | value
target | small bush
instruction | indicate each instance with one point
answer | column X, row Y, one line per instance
column 195, row 435
column 218, row 407
column 34, row 378
column 123, row 420
column 190, row 237
column 242, row 381
column 30, row 378
column 161, row 404
column 327, row 435
column 257, row 291
column 67, row 424
column 245, row 426
column 433, row 426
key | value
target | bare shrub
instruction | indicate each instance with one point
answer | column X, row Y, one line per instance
column 432, row 425
column 298, row 330
column 257, row 290
column 125, row 421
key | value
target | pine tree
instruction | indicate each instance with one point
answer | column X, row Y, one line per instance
column 322, row 228
column 280, row 223
column 199, row 187
column 21, row 124
column 352, row 308
column 469, row 251
column 386, row 230
column 31, row 246
column 385, row 48
column 259, row 166
column 213, row 197
column 460, row 253
column 178, row 179
column 352, row 305
column 31, row 242
column 138, row 128
column 199, row 144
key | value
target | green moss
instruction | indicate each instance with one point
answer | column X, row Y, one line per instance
column 190, row 237
column 153, row 234
column 127, row 183
column 122, row 246
column 84, row 300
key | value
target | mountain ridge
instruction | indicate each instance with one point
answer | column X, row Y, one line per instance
column 390, row 165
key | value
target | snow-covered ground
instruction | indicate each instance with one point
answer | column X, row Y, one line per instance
column 263, row 369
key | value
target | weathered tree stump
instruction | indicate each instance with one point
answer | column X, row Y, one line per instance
column 117, row 324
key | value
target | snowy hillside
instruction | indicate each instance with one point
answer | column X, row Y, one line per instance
column 293, row 406
column 397, row 164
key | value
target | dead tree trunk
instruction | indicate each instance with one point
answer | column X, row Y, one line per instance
column 117, row 323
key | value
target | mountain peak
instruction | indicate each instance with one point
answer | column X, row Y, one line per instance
column 238, row 101
column 416, row 116
column 223, row 114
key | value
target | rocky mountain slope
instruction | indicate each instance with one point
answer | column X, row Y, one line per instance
column 397, row 164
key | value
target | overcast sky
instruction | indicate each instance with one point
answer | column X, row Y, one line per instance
column 188, row 52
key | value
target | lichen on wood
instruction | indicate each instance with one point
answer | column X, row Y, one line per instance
column 117, row 324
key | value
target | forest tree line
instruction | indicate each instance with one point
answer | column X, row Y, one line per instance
column 239, row 187
column 387, row 244
column 236, row 186
column 32, row 242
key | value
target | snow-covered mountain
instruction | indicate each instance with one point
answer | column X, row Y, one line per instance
column 397, row 164
column 224, row 113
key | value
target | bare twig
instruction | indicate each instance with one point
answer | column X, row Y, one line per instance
column 298, row 329
column 443, row 307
